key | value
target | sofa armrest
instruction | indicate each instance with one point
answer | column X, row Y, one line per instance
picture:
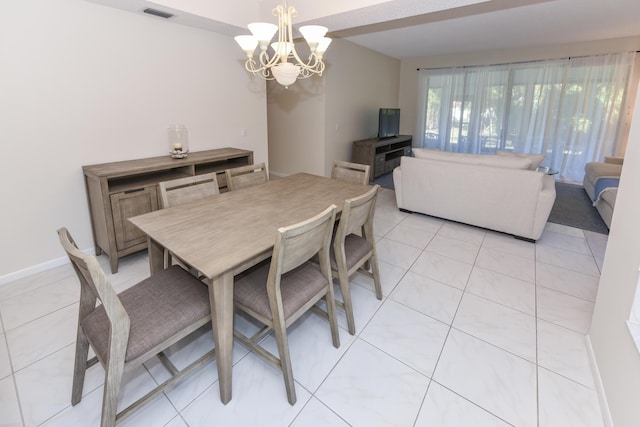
column 397, row 185
column 614, row 160
column 546, row 199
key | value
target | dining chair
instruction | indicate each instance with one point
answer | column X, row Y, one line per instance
column 354, row 249
column 183, row 190
column 277, row 294
column 131, row 327
column 246, row 176
column 188, row 189
column 351, row 172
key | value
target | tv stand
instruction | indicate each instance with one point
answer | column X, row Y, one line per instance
column 381, row 154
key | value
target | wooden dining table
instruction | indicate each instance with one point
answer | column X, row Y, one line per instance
column 224, row 235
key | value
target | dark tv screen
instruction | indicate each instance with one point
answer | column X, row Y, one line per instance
column 389, row 122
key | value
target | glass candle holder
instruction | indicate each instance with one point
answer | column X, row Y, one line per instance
column 178, row 141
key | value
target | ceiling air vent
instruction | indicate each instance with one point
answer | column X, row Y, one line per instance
column 158, row 13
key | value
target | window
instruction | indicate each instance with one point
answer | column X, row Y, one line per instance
column 568, row 109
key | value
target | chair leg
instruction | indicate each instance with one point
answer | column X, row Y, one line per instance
column 331, row 312
column 79, row 367
column 167, row 258
column 280, row 331
column 343, row 278
column 376, row 275
column 112, row 382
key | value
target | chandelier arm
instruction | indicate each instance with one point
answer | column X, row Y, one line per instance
column 265, row 61
column 309, row 72
column 266, row 74
column 313, row 65
column 294, row 53
column 284, row 23
column 263, row 72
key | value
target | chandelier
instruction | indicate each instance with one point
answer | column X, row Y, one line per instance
column 284, row 65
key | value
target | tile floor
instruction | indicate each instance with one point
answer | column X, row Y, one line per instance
column 475, row 329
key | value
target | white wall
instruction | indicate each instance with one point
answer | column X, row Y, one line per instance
column 316, row 120
column 617, row 357
column 82, row 83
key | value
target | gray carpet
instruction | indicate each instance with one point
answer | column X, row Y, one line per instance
column 385, row 181
column 573, row 208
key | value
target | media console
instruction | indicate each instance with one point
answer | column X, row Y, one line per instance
column 381, row 154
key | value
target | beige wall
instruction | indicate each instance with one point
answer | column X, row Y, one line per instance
column 617, row 357
column 316, row 120
column 296, row 127
column 359, row 83
column 82, row 83
column 409, row 73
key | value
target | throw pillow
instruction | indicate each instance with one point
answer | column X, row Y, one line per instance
column 474, row 159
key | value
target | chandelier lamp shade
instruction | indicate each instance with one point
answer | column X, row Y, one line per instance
column 284, row 64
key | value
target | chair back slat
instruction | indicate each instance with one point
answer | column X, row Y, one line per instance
column 350, row 172
column 297, row 243
column 94, row 281
column 358, row 214
column 246, row 176
column 188, row 189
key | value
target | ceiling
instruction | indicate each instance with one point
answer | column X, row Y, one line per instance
column 406, row 29
column 495, row 25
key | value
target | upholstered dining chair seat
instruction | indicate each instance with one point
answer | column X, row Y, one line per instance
column 127, row 329
column 297, row 286
column 159, row 307
column 356, row 248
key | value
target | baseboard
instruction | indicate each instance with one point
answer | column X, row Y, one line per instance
column 57, row 262
column 597, row 380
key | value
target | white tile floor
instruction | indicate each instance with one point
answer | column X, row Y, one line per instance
column 475, row 329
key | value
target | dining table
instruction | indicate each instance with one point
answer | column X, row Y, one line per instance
column 223, row 235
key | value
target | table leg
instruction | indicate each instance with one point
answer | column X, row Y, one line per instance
column 221, row 300
column 156, row 256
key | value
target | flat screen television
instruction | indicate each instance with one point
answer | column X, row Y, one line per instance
column 388, row 122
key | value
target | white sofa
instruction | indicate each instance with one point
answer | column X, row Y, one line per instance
column 502, row 193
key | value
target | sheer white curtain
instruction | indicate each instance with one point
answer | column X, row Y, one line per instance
column 568, row 109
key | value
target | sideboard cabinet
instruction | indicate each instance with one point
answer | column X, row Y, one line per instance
column 120, row 190
column 381, row 154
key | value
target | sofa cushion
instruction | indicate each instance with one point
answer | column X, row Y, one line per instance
column 535, row 159
column 509, row 162
column 595, row 170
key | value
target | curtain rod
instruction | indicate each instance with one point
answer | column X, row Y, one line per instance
column 568, row 58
